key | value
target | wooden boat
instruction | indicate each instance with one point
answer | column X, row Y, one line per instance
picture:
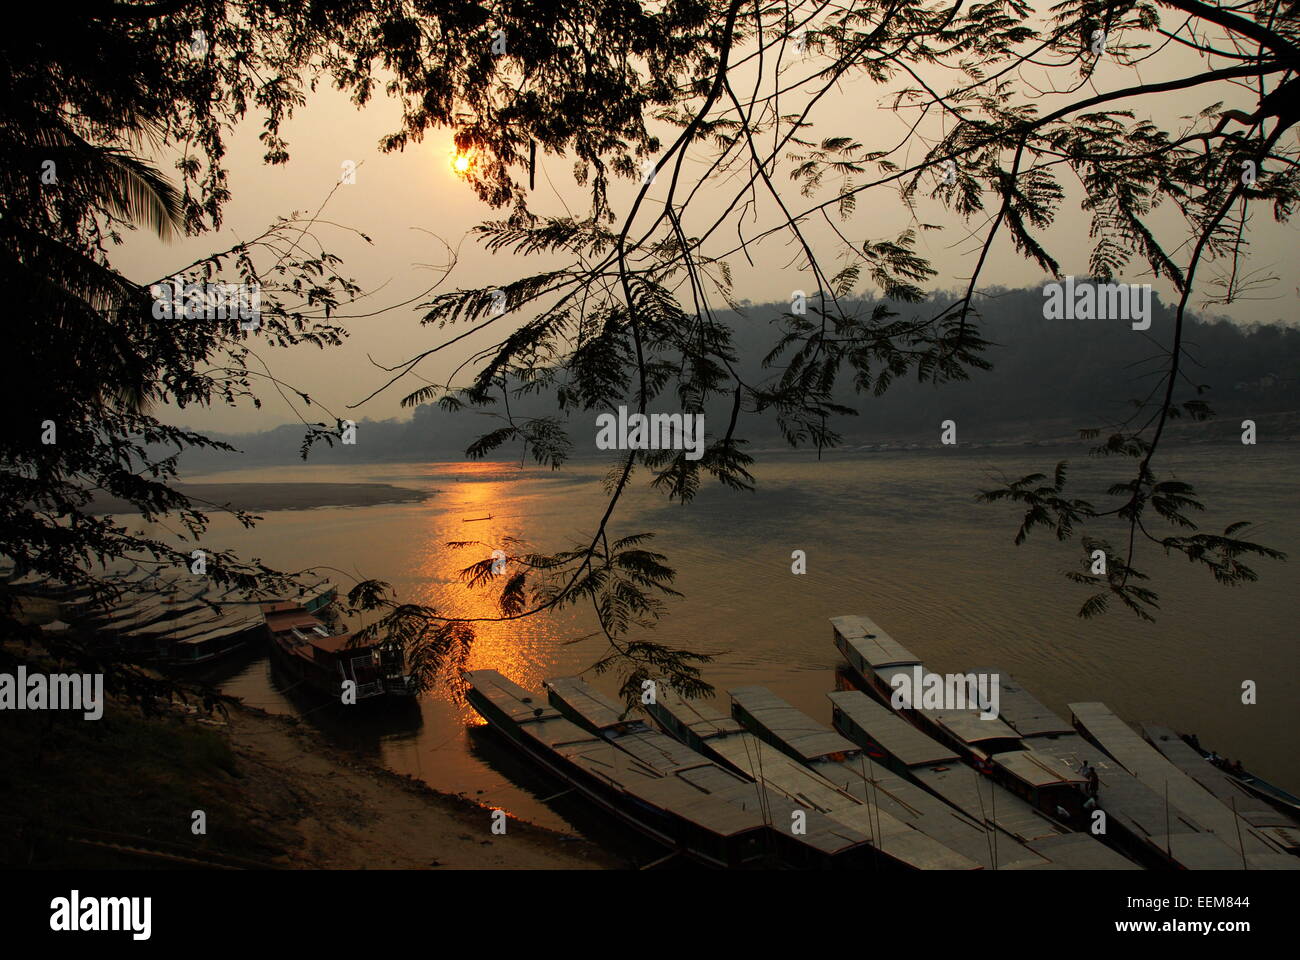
column 325, row 660
column 205, row 642
column 912, row 753
column 827, row 840
column 693, row 813
column 176, row 620
column 978, row 737
column 1288, row 803
column 1281, row 830
column 1136, row 816
column 864, row 775
column 1254, row 850
column 883, row 818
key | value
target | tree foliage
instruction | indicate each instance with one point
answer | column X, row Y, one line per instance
column 1013, row 116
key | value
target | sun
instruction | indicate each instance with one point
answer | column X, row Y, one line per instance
column 461, row 163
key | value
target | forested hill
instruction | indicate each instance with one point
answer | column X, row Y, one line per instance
column 1049, row 378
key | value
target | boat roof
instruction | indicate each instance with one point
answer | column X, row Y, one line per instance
column 181, row 619
column 154, row 602
column 1080, row 851
column 970, row 726
column 701, row 716
column 1019, row 708
column 1142, row 812
column 287, row 620
column 1037, row 769
column 338, row 643
column 714, row 799
column 898, row 737
column 706, row 800
column 595, row 709
column 224, row 630
column 832, row 812
column 877, row 648
column 794, row 728
column 514, row 701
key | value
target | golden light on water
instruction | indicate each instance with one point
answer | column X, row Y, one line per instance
column 477, row 506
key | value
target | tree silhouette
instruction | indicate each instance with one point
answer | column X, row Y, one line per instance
column 1007, row 118
column 632, row 319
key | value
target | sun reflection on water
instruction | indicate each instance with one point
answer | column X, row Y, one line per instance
column 485, row 511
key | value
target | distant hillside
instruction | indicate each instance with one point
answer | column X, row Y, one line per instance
column 1049, row 378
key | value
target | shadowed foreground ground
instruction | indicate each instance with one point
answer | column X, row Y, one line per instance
column 121, row 791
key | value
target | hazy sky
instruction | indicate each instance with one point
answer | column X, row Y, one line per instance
column 398, row 199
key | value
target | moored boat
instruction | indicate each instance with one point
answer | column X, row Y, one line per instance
column 328, row 660
column 1136, row 816
column 883, row 819
column 1283, row 800
column 1280, row 828
column 808, row 828
column 863, row 775
column 1103, row 728
column 978, row 735
column 933, row 765
column 693, row 813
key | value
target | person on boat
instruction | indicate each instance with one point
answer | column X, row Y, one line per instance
column 1237, row 768
column 1094, row 783
column 1085, row 770
column 1195, row 742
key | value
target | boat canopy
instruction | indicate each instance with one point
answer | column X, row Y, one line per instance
column 1019, row 708
column 876, row 648
column 899, row 738
column 800, row 732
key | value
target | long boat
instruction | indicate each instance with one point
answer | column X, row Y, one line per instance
column 325, row 659
column 1138, row 816
column 179, row 621
column 842, row 761
column 861, row 770
column 181, row 629
column 1283, row 800
column 980, row 737
column 810, row 834
column 913, row 753
column 1280, row 828
column 886, row 819
column 698, row 812
column 1254, row 850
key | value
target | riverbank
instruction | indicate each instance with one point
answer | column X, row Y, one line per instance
column 255, row 497
column 123, row 792
column 353, row 814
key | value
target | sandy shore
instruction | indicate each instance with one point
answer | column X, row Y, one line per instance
column 258, row 497
column 332, row 811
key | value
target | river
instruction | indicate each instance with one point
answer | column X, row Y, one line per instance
column 896, row 535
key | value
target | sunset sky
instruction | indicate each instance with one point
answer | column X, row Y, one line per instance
column 400, row 199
